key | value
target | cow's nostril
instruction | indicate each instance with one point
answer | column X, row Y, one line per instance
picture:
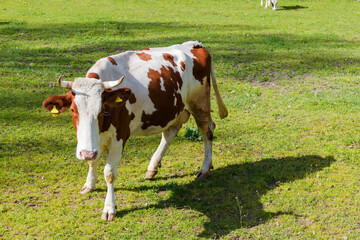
column 88, row 155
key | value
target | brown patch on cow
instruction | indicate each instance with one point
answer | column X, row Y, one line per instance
column 132, row 99
column 202, row 64
column 93, row 75
column 144, row 49
column 168, row 103
column 198, row 46
column 62, row 102
column 112, row 60
column 144, row 56
column 75, row 114
column 210, row 135
column 182, row 66
column 170, row 58
column 110, row 178
column 118, row 116
column 91, row 163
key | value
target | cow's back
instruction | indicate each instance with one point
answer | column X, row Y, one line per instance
column 163, row 80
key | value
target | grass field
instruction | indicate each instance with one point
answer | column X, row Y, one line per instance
column 286, row 159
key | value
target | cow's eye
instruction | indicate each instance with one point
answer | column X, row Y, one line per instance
column 72, row 110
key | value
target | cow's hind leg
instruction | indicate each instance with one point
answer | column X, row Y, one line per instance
column 206, row 129
column 167, row 137
column 201, row 113
column 91, row 179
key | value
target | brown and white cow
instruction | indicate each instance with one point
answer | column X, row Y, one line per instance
column 162, row 87
column 268, row 3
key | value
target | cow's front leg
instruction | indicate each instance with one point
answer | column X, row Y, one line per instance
column 110, row 173
column 267, row 3
column 91, row 179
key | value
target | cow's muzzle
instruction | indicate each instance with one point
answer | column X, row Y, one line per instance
column 88, row 155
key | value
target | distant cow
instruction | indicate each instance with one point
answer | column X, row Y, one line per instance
column 269, row 2
column 162, row 87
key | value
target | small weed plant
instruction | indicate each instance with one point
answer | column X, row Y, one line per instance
column 193, row 134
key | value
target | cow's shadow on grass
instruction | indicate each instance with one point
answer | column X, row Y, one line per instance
column 230, row 197
column 296, row 7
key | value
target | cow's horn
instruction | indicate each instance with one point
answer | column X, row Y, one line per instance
column 64, row 84
column 112, row 84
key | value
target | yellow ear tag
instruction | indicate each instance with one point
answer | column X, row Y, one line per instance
column 118, row 99
column 54, row 112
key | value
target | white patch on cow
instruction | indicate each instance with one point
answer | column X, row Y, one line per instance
column 88, row 101
column 162, row 86
column 175, row 101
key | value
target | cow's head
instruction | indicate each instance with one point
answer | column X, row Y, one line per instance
column 88, row 100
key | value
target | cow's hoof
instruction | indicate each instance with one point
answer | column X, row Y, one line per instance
column 85, row 190
column 150, row 174
column 202, row 174
column 108, row 216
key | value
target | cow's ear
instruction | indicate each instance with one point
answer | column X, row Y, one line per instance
column 116, row 97
column 58, row 104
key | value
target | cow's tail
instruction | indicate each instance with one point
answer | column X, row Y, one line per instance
column 223, row 112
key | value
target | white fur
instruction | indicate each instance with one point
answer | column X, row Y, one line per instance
column 88, row 101
column 162, row 86
column 268, row 4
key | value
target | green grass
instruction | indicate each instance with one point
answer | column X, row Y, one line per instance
column 286, row 159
